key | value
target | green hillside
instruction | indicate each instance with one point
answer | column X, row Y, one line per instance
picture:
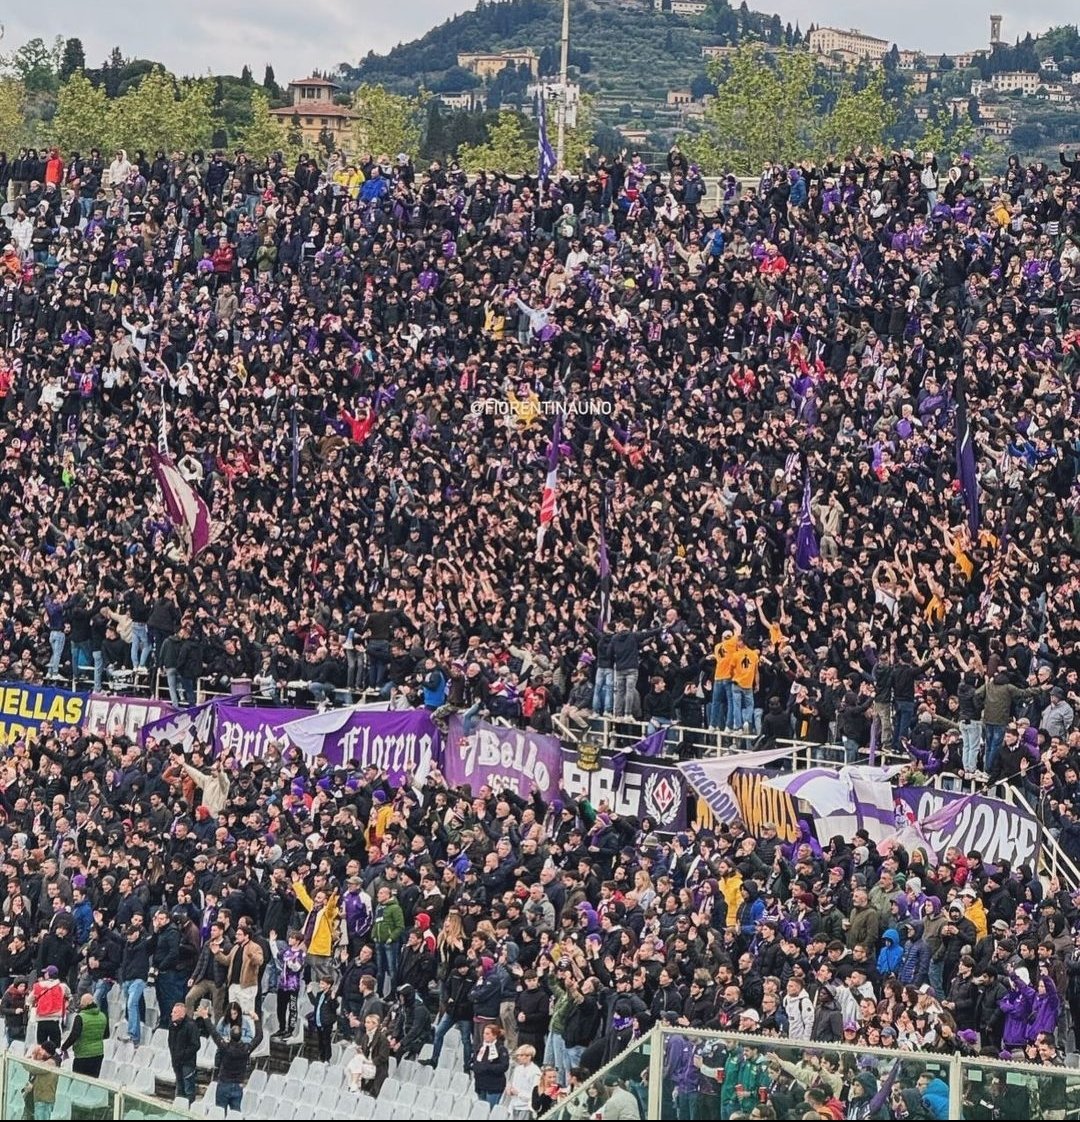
column 624, row 50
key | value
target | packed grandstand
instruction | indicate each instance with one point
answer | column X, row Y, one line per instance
column 457, row 630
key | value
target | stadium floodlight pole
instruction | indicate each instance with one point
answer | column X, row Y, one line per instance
column 560, row 145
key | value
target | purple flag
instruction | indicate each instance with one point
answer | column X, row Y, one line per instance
column 604, row 567
column 187, row 512
column 545, row 154
column 806, row 544
column 402, row 742
column 944, row 818
column 651, row 745
column 965, row 459
column 294, row 466
column 619, row 760
column 184, row 728
column 882, row 1096
column 495, row 756
column 550, row 495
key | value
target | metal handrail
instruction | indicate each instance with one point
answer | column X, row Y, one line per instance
column 1054, row 861
column 951, row 1066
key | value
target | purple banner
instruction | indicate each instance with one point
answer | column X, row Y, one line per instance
column 245, row 731
column 998, row 831
column 494, row 756
column 642, row 789
column 109, row 715
column 399, row 742
column 183, row 729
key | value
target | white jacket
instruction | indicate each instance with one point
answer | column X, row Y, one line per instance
column 800, row 1015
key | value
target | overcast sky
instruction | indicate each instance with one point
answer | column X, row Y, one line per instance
column 194, row 36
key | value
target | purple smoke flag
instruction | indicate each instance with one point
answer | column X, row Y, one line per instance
column 806, row 543
column 549, row 498
column 544, row 152
column 187, row 511
column 965, row 459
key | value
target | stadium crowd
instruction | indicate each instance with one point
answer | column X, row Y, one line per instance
column 356, row 367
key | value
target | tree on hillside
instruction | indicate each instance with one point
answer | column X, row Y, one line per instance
column 580, row 139
column 808, row 111
column 265, row 133
column 739, row 135
column 270, row 82
column 73, row 59
column 386, row 122
column 246, row 76
column 12, row 114
column 859, row 118
column 507, row 148
column 82, row 118
column 34, row 65
column 110, row 72
column 158, row 113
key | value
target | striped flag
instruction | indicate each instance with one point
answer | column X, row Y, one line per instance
column 806, row 543
column 545, row 154
column 997, row 563
column 549, row 498
column 965, row 459
column 187, row 511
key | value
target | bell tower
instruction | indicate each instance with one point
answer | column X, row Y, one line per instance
column 995, row 30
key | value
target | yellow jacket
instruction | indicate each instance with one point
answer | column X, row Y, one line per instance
column 976, row 912
column 322, row 938
column 351, row 181
column 729, row 887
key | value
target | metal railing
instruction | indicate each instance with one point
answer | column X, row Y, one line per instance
column 25, row 1082
column 642, row 1070
column 1053, row 860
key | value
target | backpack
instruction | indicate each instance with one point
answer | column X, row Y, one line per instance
column 51, row 1001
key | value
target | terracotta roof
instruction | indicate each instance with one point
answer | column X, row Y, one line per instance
column 314, row 82
column 314, row 109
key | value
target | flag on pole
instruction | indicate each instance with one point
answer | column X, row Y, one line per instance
column 651, row 746
column 294, row 467
column 806, row 543
column 549, row 498
column 545, row 153
column 997, row 563
column 965, row 459
column 187, row 511
column 163, row 429
column 604, row 566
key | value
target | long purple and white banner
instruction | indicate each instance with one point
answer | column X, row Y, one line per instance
column 634, row 788
column 107, row 714
column 496, row 756
column 245, row 731
column 997, row 830
column 400, row 742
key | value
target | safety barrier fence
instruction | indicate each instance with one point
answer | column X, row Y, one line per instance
column 658, row 1070
column 24, row 1084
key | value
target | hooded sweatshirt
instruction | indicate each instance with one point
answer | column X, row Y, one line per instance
column 892, row 954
